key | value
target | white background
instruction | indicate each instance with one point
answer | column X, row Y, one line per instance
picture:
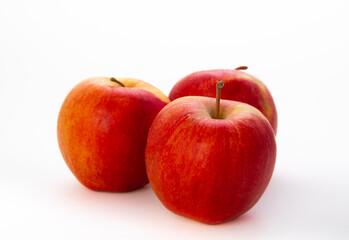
column 299, row 49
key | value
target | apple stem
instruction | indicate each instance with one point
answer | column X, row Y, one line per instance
column 219, row 86
column 241, row 68
column 118, row 82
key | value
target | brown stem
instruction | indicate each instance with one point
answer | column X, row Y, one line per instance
column 241, row 68
column 118, row 82
column 219, row 86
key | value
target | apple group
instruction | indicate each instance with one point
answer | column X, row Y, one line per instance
column 208, row 150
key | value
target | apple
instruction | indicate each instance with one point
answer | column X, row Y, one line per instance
column 102, row 130
column 238, row 86
column 209, row 160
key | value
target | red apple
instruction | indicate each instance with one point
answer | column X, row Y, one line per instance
column 238, row 86
column 206, row 167
column 102, row 130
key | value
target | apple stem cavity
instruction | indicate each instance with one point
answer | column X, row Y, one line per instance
column 241, row 68
column 118, row 82
column 219, row 86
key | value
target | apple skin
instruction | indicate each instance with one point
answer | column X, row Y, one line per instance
column 210, row 170
column 102, row 130
column 238, row 86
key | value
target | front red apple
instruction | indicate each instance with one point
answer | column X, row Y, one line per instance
column 211, row 170
column 102, row 131
column 238, row 86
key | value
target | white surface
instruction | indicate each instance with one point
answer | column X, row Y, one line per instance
column 298, row 48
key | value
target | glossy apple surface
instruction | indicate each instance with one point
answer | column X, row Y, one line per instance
column 102, row 131
column 238, row 86
column 210, row 170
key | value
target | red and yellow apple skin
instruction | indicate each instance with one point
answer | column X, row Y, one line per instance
column 210, row 170
column 102, row 131
column 238, row 86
